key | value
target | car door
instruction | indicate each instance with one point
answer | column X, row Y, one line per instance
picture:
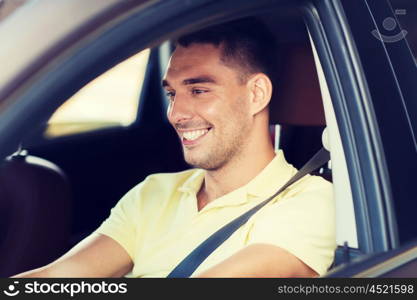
column 383, row 68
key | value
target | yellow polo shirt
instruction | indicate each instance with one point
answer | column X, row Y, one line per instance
column 158, row 223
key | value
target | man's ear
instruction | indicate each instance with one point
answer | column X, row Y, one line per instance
column 260, row 89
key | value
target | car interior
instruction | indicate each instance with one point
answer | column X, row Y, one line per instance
column 56, row 190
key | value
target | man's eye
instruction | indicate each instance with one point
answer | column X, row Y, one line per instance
column 170, row 95
column 198, row 91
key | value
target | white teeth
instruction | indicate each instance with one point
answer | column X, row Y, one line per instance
column 193, row 135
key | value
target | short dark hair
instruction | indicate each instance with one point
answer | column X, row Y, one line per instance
column 247, row 44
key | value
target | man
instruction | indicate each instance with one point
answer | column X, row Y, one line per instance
column 219, row 89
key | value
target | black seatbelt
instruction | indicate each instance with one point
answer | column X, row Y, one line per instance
column 190, row 263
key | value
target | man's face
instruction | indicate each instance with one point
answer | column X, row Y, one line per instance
column 208, row 106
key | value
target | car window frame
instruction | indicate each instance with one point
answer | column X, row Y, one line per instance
column 384, row 67
column 376, row 226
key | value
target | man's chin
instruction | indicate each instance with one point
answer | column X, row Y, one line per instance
column 196, row 162
column 201, row 163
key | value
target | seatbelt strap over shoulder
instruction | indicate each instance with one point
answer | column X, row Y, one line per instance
column 191, row 262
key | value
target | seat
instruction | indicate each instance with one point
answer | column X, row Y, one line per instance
column 35, row 206
column 296, row 106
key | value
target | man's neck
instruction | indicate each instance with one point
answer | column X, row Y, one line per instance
column 233, row 175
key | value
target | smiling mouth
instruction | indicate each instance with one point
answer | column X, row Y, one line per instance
column 191, row 137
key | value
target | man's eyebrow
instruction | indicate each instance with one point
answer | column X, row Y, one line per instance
column 195, row 80
column 200, row 79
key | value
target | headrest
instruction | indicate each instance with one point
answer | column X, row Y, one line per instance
column 325, row 140
column 296, row 99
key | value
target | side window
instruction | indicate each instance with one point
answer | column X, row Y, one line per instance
column 110, row 100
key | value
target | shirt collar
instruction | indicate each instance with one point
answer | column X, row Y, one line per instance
column 268, row 181
column 272, row 177
column 193, row 183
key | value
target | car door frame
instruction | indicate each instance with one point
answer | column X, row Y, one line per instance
column 341, row 31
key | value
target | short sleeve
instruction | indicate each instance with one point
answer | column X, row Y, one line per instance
column 121, row 224
column 302, row 224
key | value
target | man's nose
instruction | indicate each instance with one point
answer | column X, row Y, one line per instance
column 180, row 109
